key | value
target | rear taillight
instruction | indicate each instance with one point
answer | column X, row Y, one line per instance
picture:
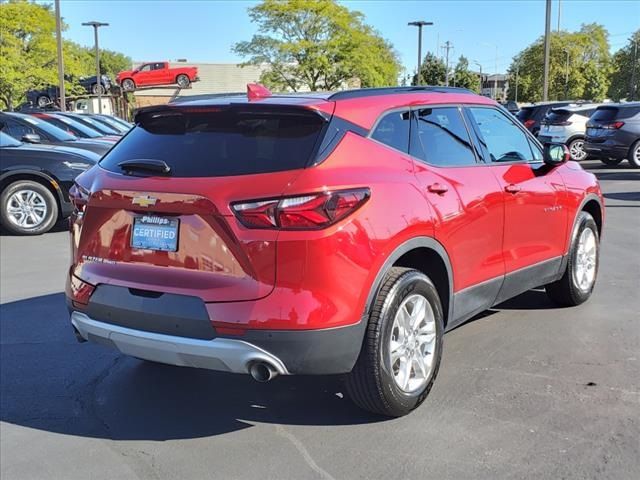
column 529, row 123
column 303, row 212
column 79, row 197
column 613, row 126
column 79, row 291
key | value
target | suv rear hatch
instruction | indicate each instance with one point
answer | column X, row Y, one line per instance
column 157, row 215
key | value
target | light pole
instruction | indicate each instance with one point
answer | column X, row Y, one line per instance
column 95, row 26
column 61, row 95
column 566, row 75
column 547, row 47
column 419, row 24
column 481, row 79
column 517, row 75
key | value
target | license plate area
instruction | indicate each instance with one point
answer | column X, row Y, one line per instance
column 153, row 232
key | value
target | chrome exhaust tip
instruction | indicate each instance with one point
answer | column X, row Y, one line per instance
column 262, row 371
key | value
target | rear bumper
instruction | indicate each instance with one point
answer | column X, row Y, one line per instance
column 176, row 330
column 607, row 149
column 221, row 354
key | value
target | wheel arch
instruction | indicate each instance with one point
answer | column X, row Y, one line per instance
column 43, row 179
column 428, row 256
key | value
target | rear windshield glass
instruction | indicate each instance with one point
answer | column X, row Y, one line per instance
column 524, row 114
column 222, row 142
column 604, row 114
column 557, row 116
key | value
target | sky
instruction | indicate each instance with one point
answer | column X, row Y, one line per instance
column 489, row 32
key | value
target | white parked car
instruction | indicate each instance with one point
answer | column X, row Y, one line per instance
column 567, row 125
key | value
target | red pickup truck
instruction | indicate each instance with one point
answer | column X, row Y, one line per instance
column 156, row 73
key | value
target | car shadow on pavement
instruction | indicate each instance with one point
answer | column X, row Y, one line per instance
column 50, row 382
column 60, row 226
column 626, row 196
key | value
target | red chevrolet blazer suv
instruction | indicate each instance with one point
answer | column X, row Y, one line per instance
column 328, row 233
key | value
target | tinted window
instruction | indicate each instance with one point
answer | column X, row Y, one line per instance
column 45, row 129
column 557, row 116
column 502, row 138
column 393, row 130
column 441, row 138
column 222, row 142
column 145, row 68
column 524, row 114
column 74, row 127
column 14, row 129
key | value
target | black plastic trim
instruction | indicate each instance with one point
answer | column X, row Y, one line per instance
column 166, row 313
column 312, row 352
column 526, row 278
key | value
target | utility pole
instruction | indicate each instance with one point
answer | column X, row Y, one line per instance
column 634, row 83
column 447, row 46
column 517, row 75
column 419, row 24
column 61, row 91
column 495, row 79
column 566, row 75
column 559, row 12
column 547, row 45
column 95, row 26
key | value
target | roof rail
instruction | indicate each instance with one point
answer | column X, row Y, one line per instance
column 370, row 92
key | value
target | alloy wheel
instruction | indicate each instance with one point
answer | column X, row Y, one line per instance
column 584, row 271
column 576, row 149
column 26, row 209
column 412, row 344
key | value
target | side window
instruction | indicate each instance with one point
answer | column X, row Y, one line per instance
column 15, row 129
column 503, row 139
column 440, row 138
column 145, row 68
column 393, row 130
column 158, row 66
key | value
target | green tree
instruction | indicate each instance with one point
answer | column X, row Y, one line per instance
column 27, row 49
column 623, row 66
column 465, row 78
column 433, row 71
column 579, row 67
column 317, row 45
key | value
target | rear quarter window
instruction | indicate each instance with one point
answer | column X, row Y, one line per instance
column 222, row 142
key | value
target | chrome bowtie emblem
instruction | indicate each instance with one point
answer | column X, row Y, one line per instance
column 144, row 200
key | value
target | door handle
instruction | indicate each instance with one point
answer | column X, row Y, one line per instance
column 511, row 188
column 438, row 188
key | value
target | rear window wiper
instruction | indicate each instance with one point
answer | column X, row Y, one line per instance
column 145, row 165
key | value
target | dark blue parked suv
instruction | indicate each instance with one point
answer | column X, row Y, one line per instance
column 613, row 134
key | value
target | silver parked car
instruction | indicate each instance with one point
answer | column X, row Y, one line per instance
column 567, row 125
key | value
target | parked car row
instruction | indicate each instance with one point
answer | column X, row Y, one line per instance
column 609, row 132
column 40, row 155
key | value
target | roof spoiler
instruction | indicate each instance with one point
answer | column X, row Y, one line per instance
column 256, row 91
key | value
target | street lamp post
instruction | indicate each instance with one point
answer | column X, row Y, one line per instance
column 481, row 78
column 61, row 96
column 95, row 26
column 517, row 75
column 566, row 75
column 419, row 24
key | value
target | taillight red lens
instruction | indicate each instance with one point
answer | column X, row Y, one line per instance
column 79, row 291
column 529, row 123
column 615, row 125
column 304, row 212
column 79, row 197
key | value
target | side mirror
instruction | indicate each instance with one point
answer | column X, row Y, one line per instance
column 556, row 153
column 31, row 138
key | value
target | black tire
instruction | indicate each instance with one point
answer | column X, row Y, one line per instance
column 566, row 292
column 50, row 217
column 43, row 100
column 95, row 88
column 634, row 155
column 183, row 81
column 576, row 150
column 371, row 383
column 128, row 85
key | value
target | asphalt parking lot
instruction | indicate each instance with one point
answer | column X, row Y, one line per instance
column 525, row 391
